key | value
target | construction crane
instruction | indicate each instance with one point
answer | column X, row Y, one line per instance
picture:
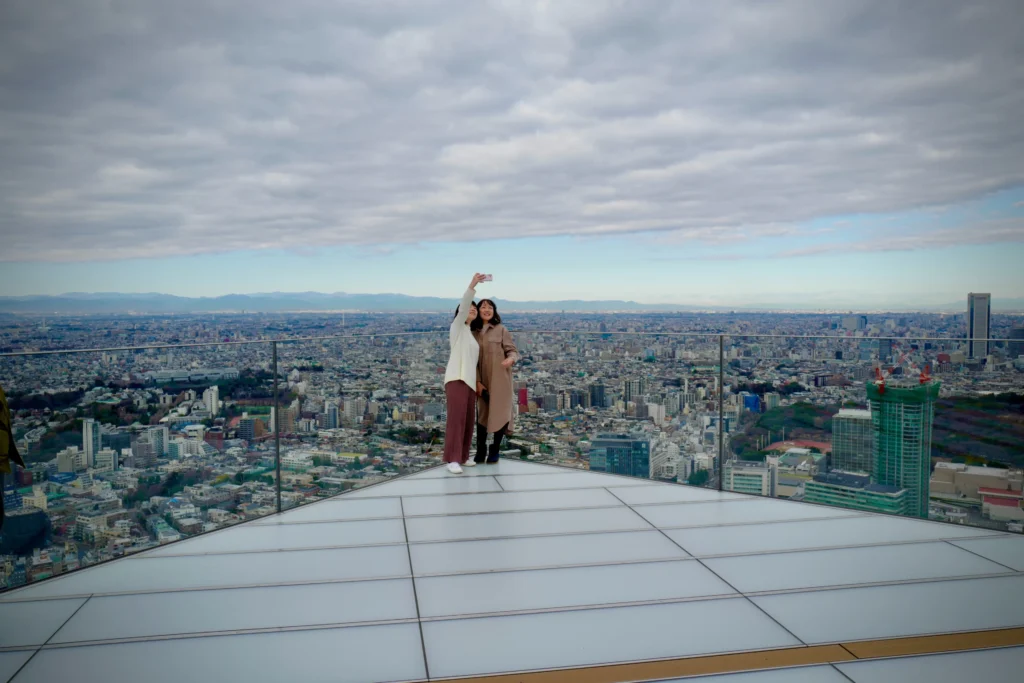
column 924, row 376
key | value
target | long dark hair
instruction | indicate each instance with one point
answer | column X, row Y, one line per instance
column 472, row 304
column 478, row 324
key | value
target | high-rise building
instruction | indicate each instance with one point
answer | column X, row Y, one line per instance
column 852, row 323
column 852, row 440
column 160, row 438
column 855, row 491
column 71, row 459
column 91, row 440
column 753, row 477
column 144, row 453
column 902, row 412
column 355, row 408
column 621, row 454
column 331, row 410
column 106, row 460
column 597, row 395
column 1017, row 347
column 247, row 428
column 211, row 397
column 631, row 390
column 979, row 326
column 288, row 420
column 885, row 350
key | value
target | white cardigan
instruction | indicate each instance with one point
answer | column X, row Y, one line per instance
column 465, row 352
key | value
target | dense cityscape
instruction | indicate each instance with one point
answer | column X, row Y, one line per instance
column 131, row 448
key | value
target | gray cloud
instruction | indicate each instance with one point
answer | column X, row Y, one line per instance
column 985, row 232
column 154, row 128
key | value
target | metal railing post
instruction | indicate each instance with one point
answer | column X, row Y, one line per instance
column 721, row 409
column 277, row 430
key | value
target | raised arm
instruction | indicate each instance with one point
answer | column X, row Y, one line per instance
column 467, row 298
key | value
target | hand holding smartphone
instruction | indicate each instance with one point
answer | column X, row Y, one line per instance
column 488, row 278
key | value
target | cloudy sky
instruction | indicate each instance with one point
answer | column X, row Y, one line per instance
column 847, row 153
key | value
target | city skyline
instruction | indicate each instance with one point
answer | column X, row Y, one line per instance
column 734, row 155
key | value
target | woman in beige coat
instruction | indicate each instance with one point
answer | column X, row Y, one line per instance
column 498, row 354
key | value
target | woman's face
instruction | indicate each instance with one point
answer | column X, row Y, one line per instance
column 471, row 316
column 486, row 311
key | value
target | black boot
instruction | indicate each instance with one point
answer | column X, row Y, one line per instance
column 495, row 448
column 481, row 444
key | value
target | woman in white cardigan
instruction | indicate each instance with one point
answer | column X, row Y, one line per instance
column 460, row 380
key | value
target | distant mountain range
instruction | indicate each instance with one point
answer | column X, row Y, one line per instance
column 79, row 303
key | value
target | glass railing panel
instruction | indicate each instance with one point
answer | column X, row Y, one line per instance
column 358, row 410
column 898, row 425
column 132, row 448
column 620, row 402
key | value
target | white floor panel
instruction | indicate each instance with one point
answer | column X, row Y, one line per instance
column 511, row 524
column 212, row 571
column 848, row 566
column 910, row 609
column 419, row 506
column 547, row 551
column 576, row 587
column 493, row 645
column 158, row 614
column 359, row 654
column 828, row 533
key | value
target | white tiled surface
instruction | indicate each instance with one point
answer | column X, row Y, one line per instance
column 528, row 482
column 511, row 524
column 987, row 666
column 580, row 586
column 145, row 574
column 10, row 662
column 751, row 510
column 509, row 502
column 550, row 551
column 646, row 495
column 357, row 654
column 155, row 614
column 844, row 566
column 1006, row 550
column 486, row 470
column 829, row 533
column 428, row 487
column 249, row 538
column 910, row 610
column 339, row 510
column 551, row 557
column 588, row 637
column 32, row 623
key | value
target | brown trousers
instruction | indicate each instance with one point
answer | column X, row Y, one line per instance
column 458, row 433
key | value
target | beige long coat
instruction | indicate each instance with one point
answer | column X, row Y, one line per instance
column 495, row 346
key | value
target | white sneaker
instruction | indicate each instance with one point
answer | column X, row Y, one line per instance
column 469, row 463
column 454, row 468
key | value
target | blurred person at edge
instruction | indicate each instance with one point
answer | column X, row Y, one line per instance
column 460, row 378
column 9, row 456
column 498, row 354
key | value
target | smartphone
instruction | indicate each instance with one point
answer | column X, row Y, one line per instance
column 488, row 278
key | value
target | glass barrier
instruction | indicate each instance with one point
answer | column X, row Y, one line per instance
column 132, row 448
column 901, row 425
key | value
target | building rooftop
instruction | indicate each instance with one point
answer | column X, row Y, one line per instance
column 532, row 573
column 854, row 480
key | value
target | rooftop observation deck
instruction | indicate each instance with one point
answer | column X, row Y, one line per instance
column 531, row 573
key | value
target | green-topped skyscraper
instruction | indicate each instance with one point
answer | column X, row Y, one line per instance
column 901, row 415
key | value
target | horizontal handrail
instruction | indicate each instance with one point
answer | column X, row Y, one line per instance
column 293, row 340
